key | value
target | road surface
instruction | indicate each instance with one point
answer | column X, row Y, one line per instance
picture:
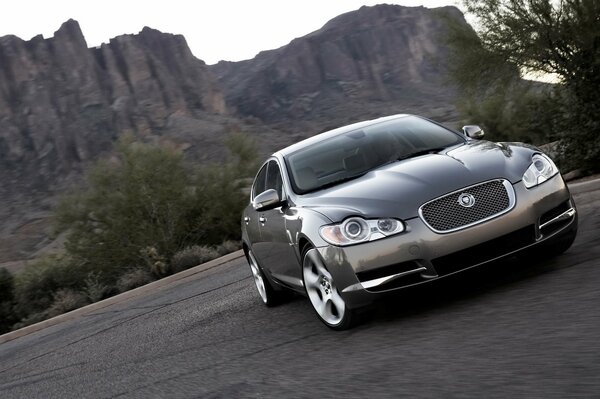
column 508, row 330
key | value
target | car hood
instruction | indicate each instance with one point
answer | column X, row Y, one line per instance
column 399, row 189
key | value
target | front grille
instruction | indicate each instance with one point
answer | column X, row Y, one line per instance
column 485, row 251
column 446, row 214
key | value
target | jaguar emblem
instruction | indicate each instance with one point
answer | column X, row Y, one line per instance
column 466, row 200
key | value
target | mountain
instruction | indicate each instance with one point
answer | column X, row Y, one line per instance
column 63, row 104
column 370, row 62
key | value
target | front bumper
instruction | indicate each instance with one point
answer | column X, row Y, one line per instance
column 362, row 271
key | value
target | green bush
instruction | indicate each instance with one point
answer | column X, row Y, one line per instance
column 36, row 285
column 192, row 256
column 134, row 278
column 228, row 247
column 93, row 287
column 64, row 300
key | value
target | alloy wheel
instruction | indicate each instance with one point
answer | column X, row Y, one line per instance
column 258, row 278
column 321, row 290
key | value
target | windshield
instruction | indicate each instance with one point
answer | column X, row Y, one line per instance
column 354, row 153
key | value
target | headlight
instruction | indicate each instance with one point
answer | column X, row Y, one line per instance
column 354, row 230
column 541, row 169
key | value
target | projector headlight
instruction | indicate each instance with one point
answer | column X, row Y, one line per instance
column 541, row 169
column 355, row 230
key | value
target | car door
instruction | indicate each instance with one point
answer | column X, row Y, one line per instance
column 278, row 254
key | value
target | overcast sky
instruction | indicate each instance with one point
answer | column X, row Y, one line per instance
column 216, row 30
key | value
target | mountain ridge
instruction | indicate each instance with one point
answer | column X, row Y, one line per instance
column 377, row 54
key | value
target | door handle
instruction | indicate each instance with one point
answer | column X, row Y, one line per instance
column 246, row 219
column 262, row 219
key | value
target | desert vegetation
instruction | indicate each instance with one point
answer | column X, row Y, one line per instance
column 532, row 38
column 142, row 214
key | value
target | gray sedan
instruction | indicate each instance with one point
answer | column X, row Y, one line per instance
column 380, row 205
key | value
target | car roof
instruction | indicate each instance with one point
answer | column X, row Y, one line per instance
column 336, row 132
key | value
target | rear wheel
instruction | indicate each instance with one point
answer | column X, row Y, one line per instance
column 268, row 294
column 323, row 293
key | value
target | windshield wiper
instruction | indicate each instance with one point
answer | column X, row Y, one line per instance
column 337, row 181
column 420, row 152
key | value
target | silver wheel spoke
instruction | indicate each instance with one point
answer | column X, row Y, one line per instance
column 321, row 308
column 321, row 290
column 338, row 302
column 311, row 279
column 319, row 265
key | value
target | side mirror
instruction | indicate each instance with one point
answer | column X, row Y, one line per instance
column 267, row 200
column 473, row 131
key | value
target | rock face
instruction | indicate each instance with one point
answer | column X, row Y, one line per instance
column 373, row 61
column 61, row 103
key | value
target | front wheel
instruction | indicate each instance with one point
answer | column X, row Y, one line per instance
column 323, row 293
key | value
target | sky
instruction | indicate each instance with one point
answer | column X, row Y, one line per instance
column 231, row 30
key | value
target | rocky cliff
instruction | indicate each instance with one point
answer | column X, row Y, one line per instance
column 62, row 103
column 373, row 61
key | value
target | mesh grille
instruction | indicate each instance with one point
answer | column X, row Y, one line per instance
column 445, row 213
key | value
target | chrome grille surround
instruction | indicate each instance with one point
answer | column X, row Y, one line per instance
column 445, row 214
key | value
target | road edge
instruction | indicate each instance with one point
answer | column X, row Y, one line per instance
column 576, row 187
column 136, row 292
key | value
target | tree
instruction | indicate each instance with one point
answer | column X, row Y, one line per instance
column 221, row 189
column 561, row 38
column 146, row 203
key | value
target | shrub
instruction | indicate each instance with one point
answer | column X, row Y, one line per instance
column 30, row 319
column 65, row 300
column 94, row 288
column 192, row 256
column 228, row 247
column 36, row 285
column 155, row 261
column 134, row 278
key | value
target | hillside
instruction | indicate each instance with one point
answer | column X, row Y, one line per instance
column 370, row 62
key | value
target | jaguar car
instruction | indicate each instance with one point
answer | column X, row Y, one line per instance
column 350, row 214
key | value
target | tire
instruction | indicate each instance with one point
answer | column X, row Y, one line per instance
column 322, row 292
column 269, row 295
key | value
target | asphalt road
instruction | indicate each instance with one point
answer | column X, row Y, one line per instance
column 508, row 330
